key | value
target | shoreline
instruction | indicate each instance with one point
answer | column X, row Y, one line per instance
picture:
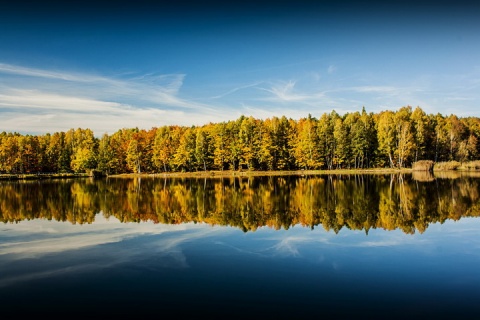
column 231, row 173
column 203, row 174
column 42, row 176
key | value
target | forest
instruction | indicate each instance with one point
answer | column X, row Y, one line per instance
column 361, row 139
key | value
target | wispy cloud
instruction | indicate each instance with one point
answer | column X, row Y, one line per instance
column 57, row 240
column 44, row 235
column 380, row 89
column 229, row 92
column 161, row 89
column 302, row 97
column 40, row 100
column 34, row 111
column 460, row 99
column 289, row 246
column 41, row 73
column 286, row 92
column 35, row 99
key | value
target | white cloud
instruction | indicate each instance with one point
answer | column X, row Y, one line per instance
column 56, row 239
column 100, row 123
column 381, row 89
column 289, row 245
column 34, row 100
column 231, row 91
column 39, row 101
column 41, row 73
column 459, row 99
column 161, row 89
column 285, row 92
column 53, row 236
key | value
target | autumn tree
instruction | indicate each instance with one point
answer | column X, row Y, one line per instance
column 423, row 135
column 204, row 148
column 184, row 156
column 441, row 142
column 107, row 160
column 220, row 145
column 386, row 136
column 84, row 149
column 163, row 148
column 307, row 144
column 247, row 138
column 133, row 156
column 456, row 133
column 405, row 141
column 326, row 139
column 342, row 152
column 363, row 138
column 234, row 144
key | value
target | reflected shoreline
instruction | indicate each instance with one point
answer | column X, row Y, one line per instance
column 409, row 202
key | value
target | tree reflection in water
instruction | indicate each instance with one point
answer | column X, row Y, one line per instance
column 358, row 202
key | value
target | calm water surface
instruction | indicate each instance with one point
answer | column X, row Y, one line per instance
column 336, row 247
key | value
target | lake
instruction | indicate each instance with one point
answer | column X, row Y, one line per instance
column 385, row 246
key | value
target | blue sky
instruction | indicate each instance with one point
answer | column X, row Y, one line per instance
column 112, row 65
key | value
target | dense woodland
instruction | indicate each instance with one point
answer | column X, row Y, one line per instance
column 393, row 139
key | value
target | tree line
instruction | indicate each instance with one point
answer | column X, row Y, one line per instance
column 389, row 138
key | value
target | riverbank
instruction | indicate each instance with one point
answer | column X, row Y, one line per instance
column 204, row 174
column 42, row 176
column 246, row 173
column 230, row 173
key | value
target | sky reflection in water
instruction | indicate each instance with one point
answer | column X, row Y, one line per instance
column 194, row 269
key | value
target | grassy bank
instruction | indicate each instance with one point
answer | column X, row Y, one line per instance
column 230, row 173
column 34, row 176
column 455, row 165
column 451, row 166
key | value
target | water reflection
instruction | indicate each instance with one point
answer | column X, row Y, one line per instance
column 117, row 248
column 357, row 202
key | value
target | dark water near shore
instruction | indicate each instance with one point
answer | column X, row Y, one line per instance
column 333, row 246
